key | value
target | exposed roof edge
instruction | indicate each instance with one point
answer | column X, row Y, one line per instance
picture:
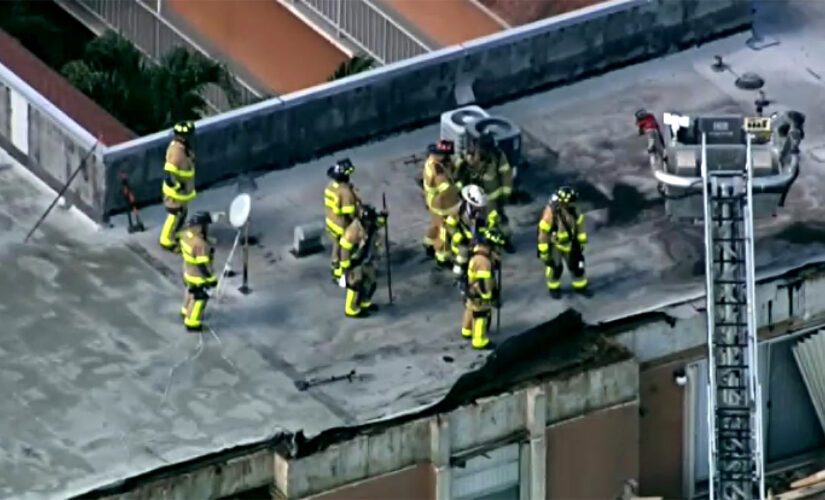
column 521, row 358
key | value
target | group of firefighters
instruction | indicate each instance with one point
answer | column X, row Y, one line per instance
column 466, row 195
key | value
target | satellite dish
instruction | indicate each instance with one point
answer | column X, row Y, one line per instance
column 239, row 210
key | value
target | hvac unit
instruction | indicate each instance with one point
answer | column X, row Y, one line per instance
column 506, row 133
column 454, row 125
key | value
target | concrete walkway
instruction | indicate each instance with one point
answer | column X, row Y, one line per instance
column 518, row 12
column 276, row 47
column 447, row 22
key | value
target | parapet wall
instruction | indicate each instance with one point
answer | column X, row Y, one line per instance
column 283, row 131
column 50, row 144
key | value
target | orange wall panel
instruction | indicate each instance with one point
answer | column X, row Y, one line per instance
column 276, row 47
column 592, row 456
column 661, row 424
column 413, row 483
column 448, row 22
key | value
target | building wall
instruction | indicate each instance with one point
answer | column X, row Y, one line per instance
column 590, row 457
column 661, row 420
column 413, row 483
column 52, row 86
column 296, row 127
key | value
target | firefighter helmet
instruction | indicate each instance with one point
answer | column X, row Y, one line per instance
column 486, row 142
column 474, row 196
column 565, row 195
column 368, row 216
column 341, row 170
column 445, row 147
column 200, row 219
column 184, row 129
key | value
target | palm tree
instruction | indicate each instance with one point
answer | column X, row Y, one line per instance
column 144, row 96
column 44, row 29
column 355, row 64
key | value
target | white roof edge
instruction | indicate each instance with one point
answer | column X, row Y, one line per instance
column 86, row 138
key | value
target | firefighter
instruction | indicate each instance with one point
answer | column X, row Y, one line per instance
column 647, row 125
column 197, row 251
column 561, row 240
column 442, row 197
column 465, row 225
column 488, row 167
column 341, row 202
column 178, row 183
column 358, row 246
column 480, row 290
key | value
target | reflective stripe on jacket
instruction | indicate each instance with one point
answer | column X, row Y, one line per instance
column 553, row 230
column 197, row 258
column 340, row 205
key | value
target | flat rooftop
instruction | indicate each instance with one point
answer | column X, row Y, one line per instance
column 89, row 340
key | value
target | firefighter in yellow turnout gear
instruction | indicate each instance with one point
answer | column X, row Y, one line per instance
column 561, row 240
column 198, row 275
column 488, row 167
column 178, row 183
column 341, row 202
column 358, row 247
column 442, row 197
column 480, row 289
column 462, row 228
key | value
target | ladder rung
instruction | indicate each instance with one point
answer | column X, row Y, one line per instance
column 728, row 344
column 719, row 238
column 724, row 281
column 736, row 456
column 727, row 219
column 722, row 323
column 730, row 367
column 737, row 433
column 729, row 303
column 728, row 261
column 734, row 197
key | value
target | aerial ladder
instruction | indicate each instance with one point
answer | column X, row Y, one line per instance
column 735, row 450
column 739, row 157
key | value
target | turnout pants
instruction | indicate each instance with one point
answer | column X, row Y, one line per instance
column 503, row 222
column 442, row 241
column 574, row 260
column 171, row 226
column 360, row 289
column 193, row 306
column 335, row 256
column 476, row 323
column 436, row 238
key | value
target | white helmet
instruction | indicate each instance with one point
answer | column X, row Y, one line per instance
column 474, row 195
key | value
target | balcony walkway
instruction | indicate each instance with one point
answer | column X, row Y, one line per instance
column 276, row 47
column 447, row 22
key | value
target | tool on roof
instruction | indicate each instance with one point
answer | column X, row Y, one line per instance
column 135, row 226
column 305, row 384
column 387, row 246
column 62, row 191
column 498, row 295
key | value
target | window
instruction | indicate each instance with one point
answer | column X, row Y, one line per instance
column 490, row 475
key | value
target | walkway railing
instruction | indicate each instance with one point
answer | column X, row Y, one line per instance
column 368, row 27
column 156, row 36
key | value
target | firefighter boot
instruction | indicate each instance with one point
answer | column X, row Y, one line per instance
column 366, row 294
column 576, row 265
column 553, row 275
column 467, row 322
column 481, row 324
